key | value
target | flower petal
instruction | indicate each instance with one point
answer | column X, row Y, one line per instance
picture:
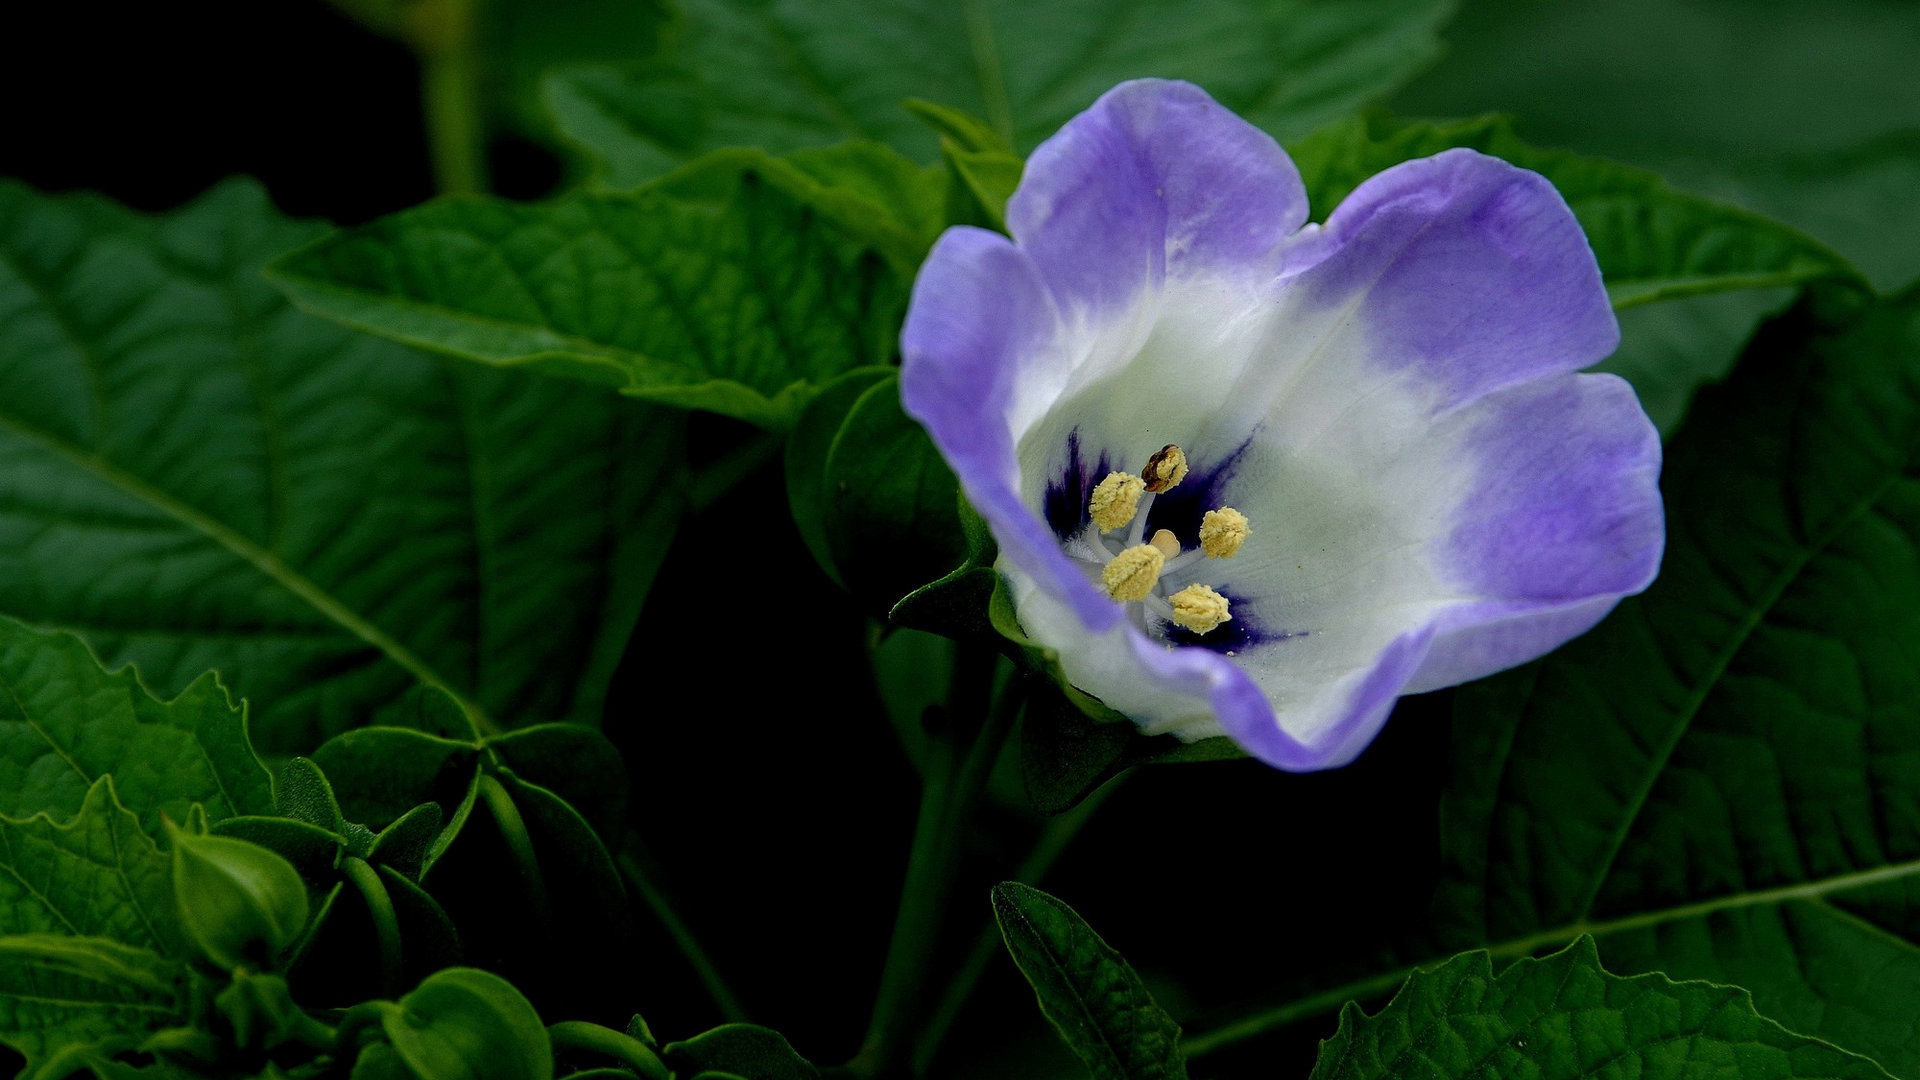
column 1563, row 519
column 1155, row 182
column 981, row 331
column 1468, row 268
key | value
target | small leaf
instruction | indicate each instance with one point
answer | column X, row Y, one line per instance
column 301, row 792
column 739, row 1049
column 1086, row 990
column 464, row 1022
column 1566, row 1018
column 740, row 305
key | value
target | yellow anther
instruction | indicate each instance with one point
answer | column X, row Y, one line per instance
column 1222, row 532
column 1131, row 575
column 1167, row 543
column 1199, row 608
column 1167, row 467
column 1114, row 500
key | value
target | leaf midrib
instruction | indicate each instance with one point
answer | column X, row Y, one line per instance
column 262, row 560
column 1514, row 948
column 1711, row 678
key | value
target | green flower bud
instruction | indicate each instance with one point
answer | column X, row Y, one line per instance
column 239, row 903
column 467, row 1024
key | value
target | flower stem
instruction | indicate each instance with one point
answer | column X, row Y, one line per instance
column 513, row 832
column 442, row 35
column 634, row 873
column 1053, row 841
column 955, row 773
column 386, row 925
column 592, row 1038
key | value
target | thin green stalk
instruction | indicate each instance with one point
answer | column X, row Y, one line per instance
column 711, row 484
column 594, row 1039
column 1053, row 841
column 953, row 781
column 513, row 831
column 386, row 925
column 442, row 33
column 696, row 957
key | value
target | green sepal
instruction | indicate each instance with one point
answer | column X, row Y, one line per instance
column 239, row 903
column 1087, row 991
column 806, row 457
column 574, row 759
column 263, row 1014
column 301, row 792
column 312, row 850
column 874, row 500
column 404, row 844
column 462, row 1023
column 739, row 1049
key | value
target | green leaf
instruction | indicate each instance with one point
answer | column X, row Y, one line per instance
column 58, row 992
column 200, row 478
column 739, row 306
column 784, row 74
column 98, row 875
column 1086, row 990
column 892, row 516
column 739, row 1049
column 866, row 191
column 1565, row 1018
column 1711, row 782
column 1653, row 242
column 65, row 722
column 463, row 1022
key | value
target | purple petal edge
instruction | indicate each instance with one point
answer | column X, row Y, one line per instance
column 1467, row 269
column 1154, row 180
column 979, row 315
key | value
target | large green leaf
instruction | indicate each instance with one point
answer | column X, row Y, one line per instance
column 739, row 305
column 96, row 876
column 1087, row 990
column 194, row 477
column 65, row 722
column 1722, row 781
column 1566, row 1018
column 58, row 991
column 786, row 74
column 1653, row 242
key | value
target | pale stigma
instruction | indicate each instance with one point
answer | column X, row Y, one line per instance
column 1199, row 608
column 1114, row 500
column 1222, row 532
column 1132, row 574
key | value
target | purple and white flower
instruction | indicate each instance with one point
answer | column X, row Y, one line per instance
column 1412, row 485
